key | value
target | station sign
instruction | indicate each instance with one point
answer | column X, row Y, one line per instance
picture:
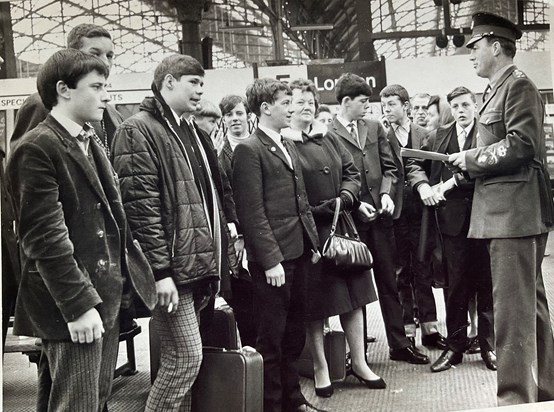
column 325, row 77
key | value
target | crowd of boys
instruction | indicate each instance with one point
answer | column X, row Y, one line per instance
column 162, row 206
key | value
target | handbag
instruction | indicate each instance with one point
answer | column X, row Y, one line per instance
column 346, row 250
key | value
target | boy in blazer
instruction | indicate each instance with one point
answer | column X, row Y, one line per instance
column 77, row 252
column 467, row 260
column 414, row 277
column 280, row 237
column 512, row 210
column 367, row 142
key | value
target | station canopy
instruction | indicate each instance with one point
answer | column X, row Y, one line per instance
column 145, row 31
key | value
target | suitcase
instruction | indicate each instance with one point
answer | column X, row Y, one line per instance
column 334, row 343
column 222, row 331
column 229, row 381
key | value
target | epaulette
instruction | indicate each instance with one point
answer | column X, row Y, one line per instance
column 518, row 74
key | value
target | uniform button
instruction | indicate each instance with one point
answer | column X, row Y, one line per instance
column 102, row 263
column 370, row 189
column 366, row 171
column 363, row 154
column 326, row 170
column 98, row 206
column 100, row 234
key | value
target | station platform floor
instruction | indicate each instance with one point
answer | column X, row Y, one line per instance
column 468, row 386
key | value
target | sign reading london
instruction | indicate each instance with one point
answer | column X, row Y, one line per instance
column 325, row 77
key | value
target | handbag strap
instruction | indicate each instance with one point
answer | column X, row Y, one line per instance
column 335, row 217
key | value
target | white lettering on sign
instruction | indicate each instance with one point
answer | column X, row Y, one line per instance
column 329, row 84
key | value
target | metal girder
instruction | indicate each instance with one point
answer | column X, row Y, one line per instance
column 291, row 34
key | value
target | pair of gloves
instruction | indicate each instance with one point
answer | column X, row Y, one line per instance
column 327, row 207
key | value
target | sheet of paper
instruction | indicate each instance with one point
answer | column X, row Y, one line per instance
column 423, row 154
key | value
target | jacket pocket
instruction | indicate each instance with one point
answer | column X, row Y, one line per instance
column 490, row 117
column 521, row 176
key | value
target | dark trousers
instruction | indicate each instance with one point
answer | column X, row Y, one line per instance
column 243, row 308
column 414, row 277
column 77, row 377
column 281, row 332
column 379, row 238
column 524, row 341
column 468, row 273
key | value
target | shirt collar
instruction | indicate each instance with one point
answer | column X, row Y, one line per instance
column 72, row 128
column 466, row 129
column 496, row 77
column 405, row 125
column 345, row 122
column 273, row 135
column 177, row 118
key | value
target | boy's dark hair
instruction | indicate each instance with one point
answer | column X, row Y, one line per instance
column 68, row 66
column 351, row 85
column 177, row 65
column 508, row 46
column 396, row 90
column 85, row 30
column 264, row 90
column 306, row 86
column 230, row 101
column 460, row 91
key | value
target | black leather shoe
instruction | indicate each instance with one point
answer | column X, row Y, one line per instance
column 489, row 357
column 308, row 407
column 410, row 355
column 447, row 359
column 434, row 340
column 325, row 392
column 373, row 384
column 473, row 346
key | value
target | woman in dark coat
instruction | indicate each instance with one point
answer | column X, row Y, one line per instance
column 329, row 172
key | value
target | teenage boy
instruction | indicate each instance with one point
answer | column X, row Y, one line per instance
column 76, row 248
column 90, row 39
column 467, row 260
column 414, row 277
column 280, row 237
column 367, row 142
column 171, row 190
column 235, row 118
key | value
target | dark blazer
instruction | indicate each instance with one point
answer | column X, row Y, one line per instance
column 512, row 189
column 76, row 246
column 32, row 112
column 453, row 216
column 272, row 205
column 419, row 138
column 375, row 161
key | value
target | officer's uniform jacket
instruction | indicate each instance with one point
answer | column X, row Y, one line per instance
column 512, row 189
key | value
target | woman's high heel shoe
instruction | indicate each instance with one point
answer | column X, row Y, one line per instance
column 373, row 384
column 325, row 392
